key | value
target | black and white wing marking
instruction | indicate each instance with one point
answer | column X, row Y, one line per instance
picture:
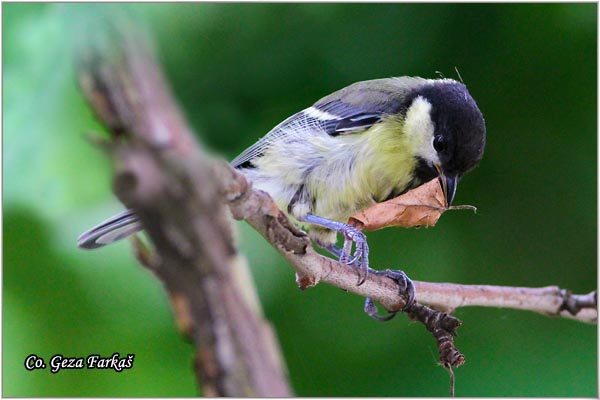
column 341, row 118
column 333, row 118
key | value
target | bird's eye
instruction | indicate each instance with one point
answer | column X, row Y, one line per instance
column 438, row 143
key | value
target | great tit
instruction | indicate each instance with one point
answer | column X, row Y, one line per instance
column 363, row 144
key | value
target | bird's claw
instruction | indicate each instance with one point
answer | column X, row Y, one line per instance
column 360, row 259
column 407, row 288
column 371, row 310
column 361, row 252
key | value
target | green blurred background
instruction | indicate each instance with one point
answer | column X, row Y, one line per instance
column 238, row 70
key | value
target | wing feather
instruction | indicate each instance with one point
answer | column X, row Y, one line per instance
column 350, row 110
column 337, row 119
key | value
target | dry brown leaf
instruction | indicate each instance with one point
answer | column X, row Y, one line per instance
column 419, row 207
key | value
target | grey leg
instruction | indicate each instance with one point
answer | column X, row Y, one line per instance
column 360, row 260
column 351, row 234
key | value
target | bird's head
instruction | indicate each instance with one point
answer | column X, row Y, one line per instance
column 448, row 131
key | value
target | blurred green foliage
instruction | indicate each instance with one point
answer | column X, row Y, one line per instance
column 239, row 69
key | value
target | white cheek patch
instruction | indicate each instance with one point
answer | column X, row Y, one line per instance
column 419, row 129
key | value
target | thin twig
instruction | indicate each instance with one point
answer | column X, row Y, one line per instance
column 549, row 300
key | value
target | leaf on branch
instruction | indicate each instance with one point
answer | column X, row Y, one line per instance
column 420, row 207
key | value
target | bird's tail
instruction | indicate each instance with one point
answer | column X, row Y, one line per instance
column 111, row 230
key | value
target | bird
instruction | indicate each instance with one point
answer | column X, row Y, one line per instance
column 363, row 144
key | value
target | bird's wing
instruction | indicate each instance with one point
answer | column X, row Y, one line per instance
column 258, row 148
column 349, row 110
column 332, row 118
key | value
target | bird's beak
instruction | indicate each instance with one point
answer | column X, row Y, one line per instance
column 449, row 184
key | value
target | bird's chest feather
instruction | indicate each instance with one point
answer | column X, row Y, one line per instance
column 359, row 172
column 334, row 177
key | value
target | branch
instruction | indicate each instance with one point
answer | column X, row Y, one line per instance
column 260, row 211
column 549, row 300
column 162, row 173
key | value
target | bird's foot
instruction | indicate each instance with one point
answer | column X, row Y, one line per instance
column 360, row 259
column 407, row 290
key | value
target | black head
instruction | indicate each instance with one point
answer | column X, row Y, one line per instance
column 459, row 131
column 459, row 126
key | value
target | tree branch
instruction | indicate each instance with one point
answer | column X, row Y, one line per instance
column 549, row 300
column 260, row 211
column 163, row 175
